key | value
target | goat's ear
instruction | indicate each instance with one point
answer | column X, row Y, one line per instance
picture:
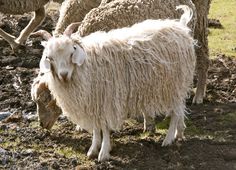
column 79, row 55
column 44, row 65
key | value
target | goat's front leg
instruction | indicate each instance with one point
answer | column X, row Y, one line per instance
column 104, row 153
column 171, row 134
column 96, row 143
column 37, row 19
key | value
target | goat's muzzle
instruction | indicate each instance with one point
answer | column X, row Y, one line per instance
column 64, row 76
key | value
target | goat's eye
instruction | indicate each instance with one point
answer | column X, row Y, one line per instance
column 74, row 47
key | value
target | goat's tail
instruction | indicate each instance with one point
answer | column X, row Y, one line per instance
column 187, row 15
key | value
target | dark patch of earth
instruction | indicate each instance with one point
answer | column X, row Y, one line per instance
column 215, row 23
column 210, row 136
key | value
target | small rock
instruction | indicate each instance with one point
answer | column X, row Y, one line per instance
column 55, row 165
column 4, row 115
column 233, row 76
column 13, row 126
column 9, row 68
column 31, row 117
column 27, row 152
column 3, row 127
column 43, row 163
column 15, row 117
column 16, row 155
column 2, row 151
column 30, row 104
column 74, row 162
column 5, row 159
column 37, row 141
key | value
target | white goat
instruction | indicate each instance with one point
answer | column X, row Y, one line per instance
column 100, row 79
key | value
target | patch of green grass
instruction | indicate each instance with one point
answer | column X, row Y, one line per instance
column 66, row 151
column 223, row 41
column 34, row 124
column 164, row 124
column 192, row 129
column 228, row 118
column 69, row 152
column 144, row 135
column 56, row 126
column 162, row 127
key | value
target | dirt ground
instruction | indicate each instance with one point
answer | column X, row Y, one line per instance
column 210, row 135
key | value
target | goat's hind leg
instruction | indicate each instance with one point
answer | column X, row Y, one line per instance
column 177, row 125
column 37, row 19
column 9, row 38
column 148, row 123
column 180, row 127
column 39, row 16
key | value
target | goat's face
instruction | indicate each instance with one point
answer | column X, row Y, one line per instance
column 61, row 55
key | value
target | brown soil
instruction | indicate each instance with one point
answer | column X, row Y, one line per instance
column 210, row 135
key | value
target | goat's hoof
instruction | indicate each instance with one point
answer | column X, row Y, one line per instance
column 103, row 156
column 197, row 100
column 167, row 142
column 180, row 137
column 92, row 153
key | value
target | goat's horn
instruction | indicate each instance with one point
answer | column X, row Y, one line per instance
column 42, row 33
column 70, row 28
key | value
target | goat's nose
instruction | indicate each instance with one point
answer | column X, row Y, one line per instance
column 64, row 75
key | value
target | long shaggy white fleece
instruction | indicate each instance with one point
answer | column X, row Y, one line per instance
column 103, row 78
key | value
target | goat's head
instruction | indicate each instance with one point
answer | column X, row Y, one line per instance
column 61, row 55
column 47, row 109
